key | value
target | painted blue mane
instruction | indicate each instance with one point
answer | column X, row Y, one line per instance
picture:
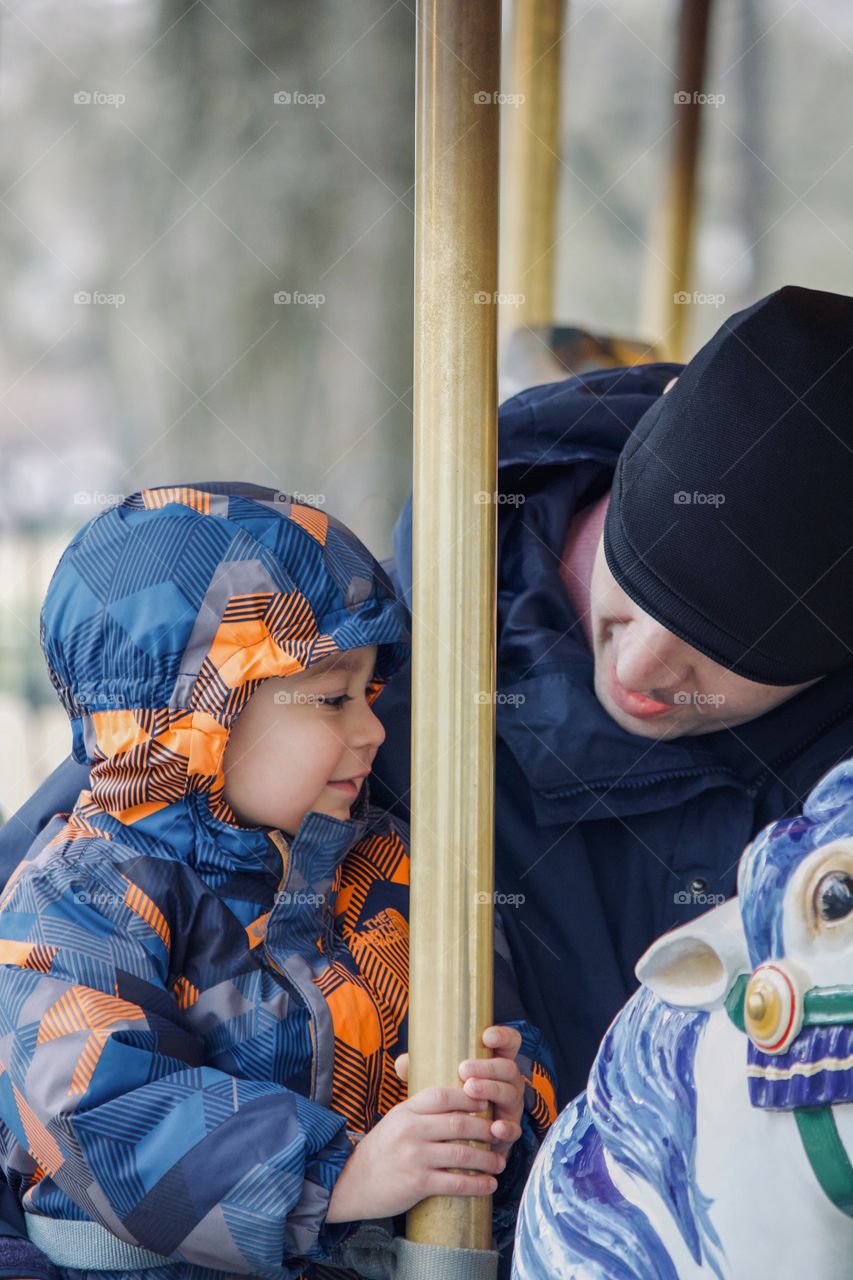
column 642, row 1099
column 640, row 1107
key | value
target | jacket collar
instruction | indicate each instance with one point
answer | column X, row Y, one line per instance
column 310, row 876
column 302, row 867
column 600, row 771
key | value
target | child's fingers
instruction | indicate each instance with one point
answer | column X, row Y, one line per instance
column 437, row 1098
column 442, row 1183
column 458, row 1155
column 490, row 1069
column 505, row 1131
column 457, row 1126
column 494, row 1091
column 504, row 1042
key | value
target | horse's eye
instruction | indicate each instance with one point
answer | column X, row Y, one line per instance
column 834, row 896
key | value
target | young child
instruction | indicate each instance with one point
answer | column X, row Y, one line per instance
column 204, row 967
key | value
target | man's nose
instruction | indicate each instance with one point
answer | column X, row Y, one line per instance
column 651, row 658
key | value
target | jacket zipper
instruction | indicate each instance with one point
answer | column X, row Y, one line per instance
column 290, row 982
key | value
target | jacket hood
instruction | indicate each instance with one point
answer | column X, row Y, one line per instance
column 165, row 614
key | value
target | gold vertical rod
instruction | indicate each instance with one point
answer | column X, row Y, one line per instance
column 454, row 575
column 532, row 117
column 674, row 227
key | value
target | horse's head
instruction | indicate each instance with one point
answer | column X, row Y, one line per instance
column 779, row 962
column 791, row 927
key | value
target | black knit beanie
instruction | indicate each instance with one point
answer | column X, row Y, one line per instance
column 731, row 515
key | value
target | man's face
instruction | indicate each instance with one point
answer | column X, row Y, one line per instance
column 658, row 686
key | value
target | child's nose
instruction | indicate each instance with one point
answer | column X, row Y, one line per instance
column 369, row 730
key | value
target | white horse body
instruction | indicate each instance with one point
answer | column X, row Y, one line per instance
column 704, row 1144
column 760, row 1203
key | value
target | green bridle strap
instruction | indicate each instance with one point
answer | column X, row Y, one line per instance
column 734, row 1001
column 827, row 1157
column 822, row 1006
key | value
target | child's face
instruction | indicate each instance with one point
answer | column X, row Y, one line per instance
column 298, row 741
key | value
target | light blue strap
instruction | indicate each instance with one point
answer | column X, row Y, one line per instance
column 87, row 1246
column 371, row 1252
column 374, row 1253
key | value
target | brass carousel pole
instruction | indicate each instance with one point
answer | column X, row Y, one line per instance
column 674, row 231
column 533, row 159
column 453, row 638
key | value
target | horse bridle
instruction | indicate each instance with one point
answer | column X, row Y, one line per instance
column 770, row 1007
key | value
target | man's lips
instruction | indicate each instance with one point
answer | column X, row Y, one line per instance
column 635, row 704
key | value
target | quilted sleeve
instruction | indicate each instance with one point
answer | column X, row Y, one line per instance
column 106, row 1097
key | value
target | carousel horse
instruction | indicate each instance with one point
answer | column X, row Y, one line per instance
column 715, row 1135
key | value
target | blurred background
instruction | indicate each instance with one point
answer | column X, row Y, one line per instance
column 207, row 240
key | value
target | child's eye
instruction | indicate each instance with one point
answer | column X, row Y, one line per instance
column 335, row 703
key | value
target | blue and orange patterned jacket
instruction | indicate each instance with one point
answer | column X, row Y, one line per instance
column 198, row 1018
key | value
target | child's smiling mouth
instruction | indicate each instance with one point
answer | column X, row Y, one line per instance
column 350, row 786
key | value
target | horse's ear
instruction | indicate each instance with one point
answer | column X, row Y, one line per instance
column 694, row 966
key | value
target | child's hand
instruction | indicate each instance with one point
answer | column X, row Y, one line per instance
column 499, row 1081
column 409, row 1155
column 496, row 1080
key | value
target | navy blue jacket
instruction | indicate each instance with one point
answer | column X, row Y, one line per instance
column 603, row 832
column 603, row 839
